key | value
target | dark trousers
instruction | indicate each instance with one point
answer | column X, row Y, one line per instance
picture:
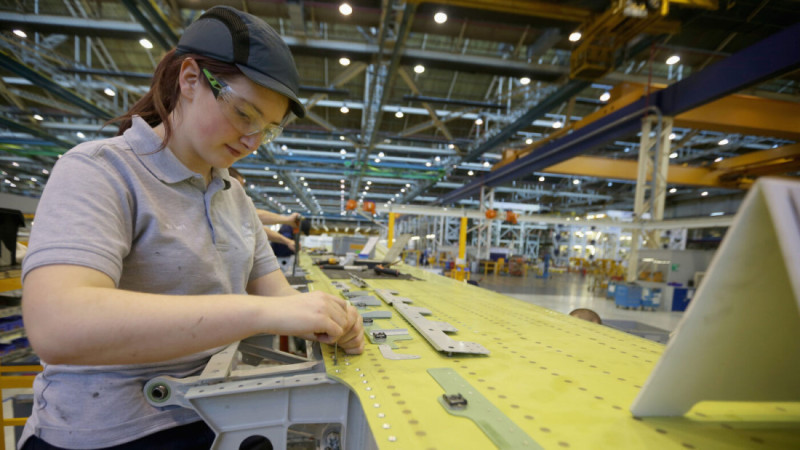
column 194, row 436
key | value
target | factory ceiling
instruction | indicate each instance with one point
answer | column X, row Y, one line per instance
column 404, row 109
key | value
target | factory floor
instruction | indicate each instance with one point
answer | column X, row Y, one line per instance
column 568, row 291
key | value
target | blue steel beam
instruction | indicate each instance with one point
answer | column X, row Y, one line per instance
column 769, row 58
column 16, row 126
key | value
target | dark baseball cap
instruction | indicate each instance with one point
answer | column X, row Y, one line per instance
column 232, row 36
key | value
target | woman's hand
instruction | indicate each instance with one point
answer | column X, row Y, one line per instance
column 325, row 318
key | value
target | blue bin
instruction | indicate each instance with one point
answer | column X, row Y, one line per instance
column 628, row 296
column 651, row 298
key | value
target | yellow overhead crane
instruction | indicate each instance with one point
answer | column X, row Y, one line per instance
column 606, row 34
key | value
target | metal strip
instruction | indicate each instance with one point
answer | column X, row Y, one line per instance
column 433, row 332
column 497, row 426
column 388, row 353
column 365, row 300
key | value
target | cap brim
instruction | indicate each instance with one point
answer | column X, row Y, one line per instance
column 270, row 83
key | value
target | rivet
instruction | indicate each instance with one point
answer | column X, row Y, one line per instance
column 369, row 388
column 359, row 370
column 392, row 438
column 377, row 405
column 381, row 415
column 364, row 381
column 386, row 426
column 372, row 396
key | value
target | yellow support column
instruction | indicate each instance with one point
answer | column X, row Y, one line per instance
column 462, row 240
column 390, row 234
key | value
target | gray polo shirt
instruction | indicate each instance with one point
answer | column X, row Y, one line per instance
column 141, row 217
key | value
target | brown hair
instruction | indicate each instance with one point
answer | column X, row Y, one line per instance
column 162, row 98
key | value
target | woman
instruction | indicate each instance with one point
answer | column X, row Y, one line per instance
column 143, row 251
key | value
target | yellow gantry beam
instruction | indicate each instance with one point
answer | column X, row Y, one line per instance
column 730, row 173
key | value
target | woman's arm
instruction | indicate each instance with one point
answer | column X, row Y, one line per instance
column 270, row 218
column 75, row 315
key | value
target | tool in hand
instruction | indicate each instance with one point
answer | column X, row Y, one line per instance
column 305, row 227
column 380, row 269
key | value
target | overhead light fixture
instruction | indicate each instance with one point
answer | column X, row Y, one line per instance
column 345, row 9
column 719, row 213
column 381, row 155
column 576, row 181
column 437, row 159
column 673, row 155
column 558, row 124
column 342, row 152
column 605, row 97
column 145, row 43
column 399, row 114
column 369, row 183
column 428, row 164
column 280, row 182
column 479, row 121
column 673, row 190
column 486, row 164
column 451, row 146
column 275, row 177
column 672, row 136
column 344, row 109
column 377, row 160
column 541, row 178
column 575, row 36
column 528, row 141
column 109, row 92
column 524, row 81
column 80, row 135
column 45, row 171
column 38, row 117
column 20, row 33
column 719, row 158
column 470, row 173
column 408, row 184
column 440, row 17
column 723, row 142
column 266, row 168
column 704, row 194
column 341, row 138
column 419, row 68
column 344, row 61
column 674, row 59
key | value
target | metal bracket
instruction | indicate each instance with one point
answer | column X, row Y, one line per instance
column 388, row 353
column 462, row 399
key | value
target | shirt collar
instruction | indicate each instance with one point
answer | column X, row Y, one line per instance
column 162, row 163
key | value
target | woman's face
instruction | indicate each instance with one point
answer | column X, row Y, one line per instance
column 215, row 131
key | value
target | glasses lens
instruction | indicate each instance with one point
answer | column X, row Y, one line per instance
column 244, row 118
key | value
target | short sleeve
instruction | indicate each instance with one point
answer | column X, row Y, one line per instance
column 264, row 260
column 84, row 217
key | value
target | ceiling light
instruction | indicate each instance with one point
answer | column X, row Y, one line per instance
column 302, row 178
column 408, row 184
column 419, row 68
column 479, row 121
column 45, row 171
column 428, row 164
column 399, row 114
column 369, row 183
column 344, row 61
column 275, row 176
column 341, row 186
column 305, row 184
column 345, row 9
column 672, row 136
column 20, row 33
column 605, row 97
column 723, row 142
column 486, row 164
column 80, row 134
column 252, row 186
column 451, row 146
column 673, row 155
column 38, row 117
column 341, row 138
column 524, row 81
column 280, row 182
column 377, row 160
column 381, row 155
column 529, row 141
column 575, row 36
column 366, row 188
column 266, row 168
column 558, row 124
column 342, row 152
column 719, row 158
column 341, row 181
column 674, row 59
column 440, row 17
column 704, row 194
column 344, row 109
column 673, row 190
column 437, row 159
column 145, row 43
column 470, row 173
column 284, row 147
column 541, row 178
column 403, row 190
column 109, row 92
column 576, row 181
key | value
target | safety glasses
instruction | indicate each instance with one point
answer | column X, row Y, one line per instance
column 243, row 115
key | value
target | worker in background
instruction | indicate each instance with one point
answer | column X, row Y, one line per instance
column 270, row 218
column 587, row 315
column 164, row 262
